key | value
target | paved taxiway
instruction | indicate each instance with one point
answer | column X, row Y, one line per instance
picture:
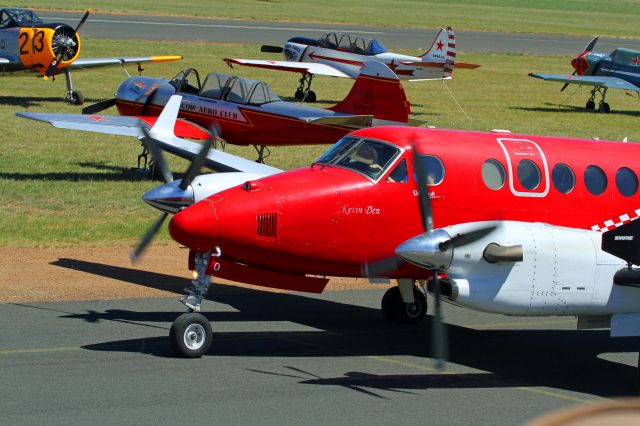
column 149, row 27
column 295, row 359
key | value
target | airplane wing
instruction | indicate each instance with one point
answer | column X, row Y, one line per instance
column 106, row 62
column 342, row 120
column 298, row 67
column 4, row 61
column 599, row 81
column 131, row 126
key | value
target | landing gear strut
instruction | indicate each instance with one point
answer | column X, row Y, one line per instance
column 73, row 97
column 304, row 92
column 602, row 106
column 191, row 334
column 261, row 153
column 395, row 310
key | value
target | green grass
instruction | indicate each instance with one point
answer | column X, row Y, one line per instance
column 581, row 17
column 62, row 188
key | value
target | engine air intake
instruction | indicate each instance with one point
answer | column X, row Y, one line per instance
column 267, row 223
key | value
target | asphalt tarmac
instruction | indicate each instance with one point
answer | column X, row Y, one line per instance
column 295, row 359
column 149, row 27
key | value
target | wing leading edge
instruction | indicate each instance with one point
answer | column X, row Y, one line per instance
column 597, row 81
column 298, row 67
column 81, row 63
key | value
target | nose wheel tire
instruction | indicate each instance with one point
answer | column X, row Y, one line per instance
column 394, row 309
column 190, row 335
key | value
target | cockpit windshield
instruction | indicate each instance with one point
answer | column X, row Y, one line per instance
column 351, row 43
column 18, row 17
column 366, row 156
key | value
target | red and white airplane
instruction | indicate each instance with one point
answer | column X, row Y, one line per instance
column 248, row 112
column 514, row 222
column 343, row 55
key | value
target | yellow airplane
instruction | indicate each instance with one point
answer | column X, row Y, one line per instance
column 27, row 44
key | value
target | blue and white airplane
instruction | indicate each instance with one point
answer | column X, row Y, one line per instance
column 618, row 70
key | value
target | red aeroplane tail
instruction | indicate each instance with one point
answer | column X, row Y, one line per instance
column 378, row 92
column 443, row 50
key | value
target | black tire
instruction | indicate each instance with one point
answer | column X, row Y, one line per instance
column 299, row 94
column 311, row 96
column 411, row 313
column 604, row 108
column 388, row 303
column 590, row 105
column 76, row 98
column 190, row 335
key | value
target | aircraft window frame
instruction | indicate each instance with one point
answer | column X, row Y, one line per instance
column 560, row 181
column 435, row 171
column 15, row 18
column 358, row 46
column 248, row 86
column 527, row 170
column 347, row 45
column 340, row 155
column 204, row 90
column 498, row 168
column 592, row 172
column 326, row 42
column 627, row 192
column 184, row 78
column 269, row 94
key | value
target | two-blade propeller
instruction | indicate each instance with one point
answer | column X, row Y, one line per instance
column 64, row 48
column 194, row 169
column 588, row 48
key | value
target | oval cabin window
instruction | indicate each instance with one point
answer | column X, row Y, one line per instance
column 595, row 179
column 528, row 174
column 563, row 178
column 493, row 174
column 626, row 181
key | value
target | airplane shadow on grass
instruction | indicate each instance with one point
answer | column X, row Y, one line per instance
column 571, row 108
column 110, row 173
column 31, row 101
column 562, row 359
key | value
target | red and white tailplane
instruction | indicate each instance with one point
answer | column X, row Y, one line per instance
column 378, row 92
column 443, row 50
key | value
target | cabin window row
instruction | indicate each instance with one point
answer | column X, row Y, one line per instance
column 529, row 176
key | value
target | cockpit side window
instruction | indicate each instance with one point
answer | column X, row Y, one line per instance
column 345, row 42
column 358, row 46
column 329, row 41
column 400, row 173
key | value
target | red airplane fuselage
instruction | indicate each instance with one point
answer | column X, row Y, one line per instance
column 332, row 220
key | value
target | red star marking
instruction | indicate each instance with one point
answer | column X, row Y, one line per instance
column 440, row 45
column 96, row 117
column 635, row 60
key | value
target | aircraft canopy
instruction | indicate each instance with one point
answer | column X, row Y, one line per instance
column 18, row 18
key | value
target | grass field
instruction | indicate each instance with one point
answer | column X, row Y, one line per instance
column 581, row 17
column 61, row 188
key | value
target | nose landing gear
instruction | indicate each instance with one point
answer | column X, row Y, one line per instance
column 191, row 334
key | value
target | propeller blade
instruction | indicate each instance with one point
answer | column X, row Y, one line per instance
column 382, row 268
column 439, row 339
column 589, row 47
column 467, row 238
column 156, row 154
column 266, row 48
column 99, row 106
column 564, row 86
column 420, row 171
column 83, row 20
column 196, row 164
column 148, row 236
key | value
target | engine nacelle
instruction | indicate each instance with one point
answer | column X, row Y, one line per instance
column 563, row 271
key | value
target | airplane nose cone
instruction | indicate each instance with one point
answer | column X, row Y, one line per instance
column 169, row 197
column 424, row 250
column 580, row 64
column 195, row 227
